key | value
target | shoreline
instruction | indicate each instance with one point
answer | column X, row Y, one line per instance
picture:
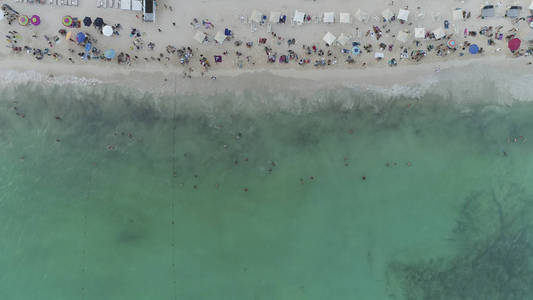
column 304, row 81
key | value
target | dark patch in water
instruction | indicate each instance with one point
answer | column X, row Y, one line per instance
column 129, row 236
column 492, row 263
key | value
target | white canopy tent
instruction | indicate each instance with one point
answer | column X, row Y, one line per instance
column 531, row 6
column 329, row 17
column 439, row 33
column 362, row 16
column 343, row 39
column 329, row 38
column 199, row 37
column 136, row 5
column 403, row 15
column 220, row 37
column 274, row 16
column 402, row 36
column 257, row 16
column 125, row 4
column 457, row 14
column 299, row 17
column 345, row 18
column 420, row 33
column 387, row 14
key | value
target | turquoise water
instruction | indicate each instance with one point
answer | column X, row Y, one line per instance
column 238, row 197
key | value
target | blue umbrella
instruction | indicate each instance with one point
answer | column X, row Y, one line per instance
column 473, row 49
column 80, row 37
column 109, row 53
column 356, row 50
column 87, row 49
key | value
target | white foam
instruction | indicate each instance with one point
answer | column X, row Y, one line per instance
column 10, row 77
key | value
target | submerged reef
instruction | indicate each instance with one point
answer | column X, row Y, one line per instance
column 494, row 239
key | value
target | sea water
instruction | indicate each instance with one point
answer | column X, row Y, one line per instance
column 403, row 193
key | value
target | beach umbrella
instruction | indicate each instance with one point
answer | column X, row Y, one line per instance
column 87, row 21
column 69, row 35
column 107, row 30
column 23, row 20
column 109, row 53
column 514, row 44
column 80, row 37
column 67, row 21
column 35, row 20
column 473, row 49
column 356, row 50
column 98, row 22
column 451, row 43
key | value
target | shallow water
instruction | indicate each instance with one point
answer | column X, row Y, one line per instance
column 350, row 194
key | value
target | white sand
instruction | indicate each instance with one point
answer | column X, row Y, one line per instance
column 227, row 13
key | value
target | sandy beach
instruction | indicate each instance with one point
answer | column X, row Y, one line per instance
column 175, row 27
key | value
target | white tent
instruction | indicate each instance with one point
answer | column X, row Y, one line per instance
column 299, row 17
column 329, row 17
column 220, row 37
column 343, row 39
column 257, row 16
column 136, row 5
column 107, row 30
column 1, row 15
column 387, row 14
column 420, row 33
column 274, row 16
column 403, row 15
column 125, row 4
column 379, row 55
column 402, row 36
column 457, row 14
column 344, row 18
column 361, row 15
column 199, row 37
column 439, row 33
column 329, row 38
column 531, row 5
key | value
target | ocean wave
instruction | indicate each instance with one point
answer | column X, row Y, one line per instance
column 468, row 85
column 11, row 77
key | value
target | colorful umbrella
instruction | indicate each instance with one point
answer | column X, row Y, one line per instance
column 356, row 50
column 67, row 21
column 473, row 49
column 109, row 53
column 35, row 20
column 451, row 43
column 514, row 44
column 80, row 37
column 23, row 20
